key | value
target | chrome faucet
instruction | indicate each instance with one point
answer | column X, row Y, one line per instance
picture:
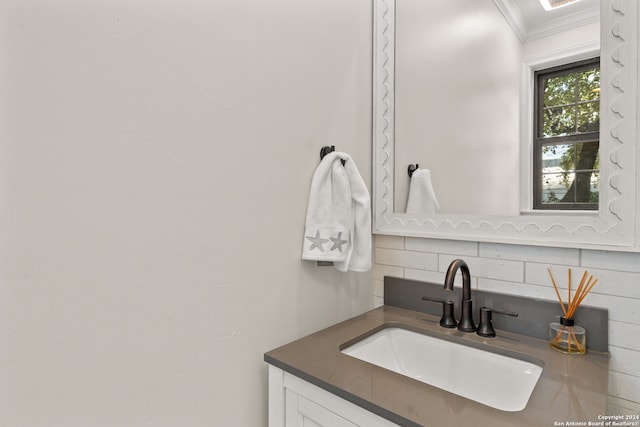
column 466, row 321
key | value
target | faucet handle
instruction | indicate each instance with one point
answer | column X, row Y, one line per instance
column 448, row 320
column 485, row 328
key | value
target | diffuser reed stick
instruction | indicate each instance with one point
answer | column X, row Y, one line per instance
column 569, row 338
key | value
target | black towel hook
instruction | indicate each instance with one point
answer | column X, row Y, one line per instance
column 412, row 168
column 326, row 150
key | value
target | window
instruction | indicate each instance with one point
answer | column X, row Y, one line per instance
column 566, row 136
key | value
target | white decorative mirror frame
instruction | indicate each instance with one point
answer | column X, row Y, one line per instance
column 614, row 227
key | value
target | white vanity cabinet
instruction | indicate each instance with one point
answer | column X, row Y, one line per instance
column 294, row 402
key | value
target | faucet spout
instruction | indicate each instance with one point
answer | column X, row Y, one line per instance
column 456, row 265
column 466, row 321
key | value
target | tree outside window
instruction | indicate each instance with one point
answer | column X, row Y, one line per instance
column 567, row 139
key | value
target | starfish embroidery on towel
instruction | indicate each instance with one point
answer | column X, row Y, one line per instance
column 337, row 242
column 316, row 242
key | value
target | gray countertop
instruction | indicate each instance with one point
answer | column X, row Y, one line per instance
column 570, row 389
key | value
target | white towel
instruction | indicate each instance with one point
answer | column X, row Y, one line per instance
column 422, row 198
column 338, row 224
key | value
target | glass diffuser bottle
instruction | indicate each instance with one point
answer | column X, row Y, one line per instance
column 567, row 337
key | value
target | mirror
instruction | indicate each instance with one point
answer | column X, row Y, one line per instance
column 459, row 62
column 435, row 106
column 457, row 83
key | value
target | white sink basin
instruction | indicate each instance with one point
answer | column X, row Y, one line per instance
column 502, row 382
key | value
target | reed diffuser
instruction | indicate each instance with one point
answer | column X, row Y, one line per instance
column 566, row 336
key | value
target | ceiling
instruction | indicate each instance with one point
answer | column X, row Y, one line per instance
column 530, row 21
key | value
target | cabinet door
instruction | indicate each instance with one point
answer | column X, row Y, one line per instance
column 302, row 412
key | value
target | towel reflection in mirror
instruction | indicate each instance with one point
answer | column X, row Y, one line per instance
column 422, row 198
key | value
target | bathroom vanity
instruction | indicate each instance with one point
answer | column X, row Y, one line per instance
column 313, row 382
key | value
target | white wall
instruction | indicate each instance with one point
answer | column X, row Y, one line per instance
column 521, row 270
column 156, row 157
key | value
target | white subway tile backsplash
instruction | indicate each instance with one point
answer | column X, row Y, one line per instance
column 623, row 334
column 530, row 253
column 389, row 242
column 617, row 283
column 620, row 308
column 624, row 386
column 430, row 276
column 455, row 247
column 488, row 267
column 409, row 259
column 378, row 301
column 378, row 288
column 610, row 282
column 624, row 360
column 619, row 406
column 382, row 270
column 538, row 274
column 522, row 270
column 620, row 261
column 516, row 288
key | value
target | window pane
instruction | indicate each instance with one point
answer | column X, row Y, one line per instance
column 586, row 187
column 553, row 155
column 566, row 169
column 587, row 156
column 555, row 186
column 559, row 90
column 589, row 117
column 589, row 85
column 559, row 121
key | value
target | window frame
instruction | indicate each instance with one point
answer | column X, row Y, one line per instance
column 539, row 141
